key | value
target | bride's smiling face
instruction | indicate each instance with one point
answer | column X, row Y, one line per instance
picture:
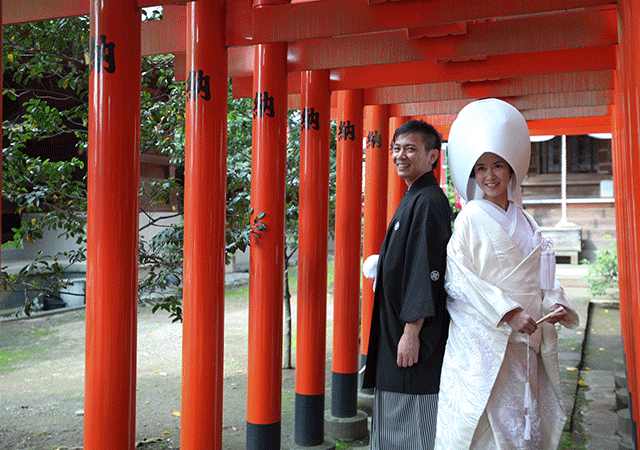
column 492, row 174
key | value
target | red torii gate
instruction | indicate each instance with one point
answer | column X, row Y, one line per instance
column 566, row 64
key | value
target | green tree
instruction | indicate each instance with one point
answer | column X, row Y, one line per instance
column 46, row 84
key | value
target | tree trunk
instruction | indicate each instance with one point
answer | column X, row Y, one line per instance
column 286, row 359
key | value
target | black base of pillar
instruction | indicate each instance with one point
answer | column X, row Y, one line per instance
column 344, row 394
column 263, row 437
column 309, row 420
column 634, row 435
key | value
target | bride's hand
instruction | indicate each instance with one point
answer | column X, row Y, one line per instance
column 520, row 321
column 558, row 315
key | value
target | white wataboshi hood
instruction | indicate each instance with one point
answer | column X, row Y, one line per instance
column 489, row 125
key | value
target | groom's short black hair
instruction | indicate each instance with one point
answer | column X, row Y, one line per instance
column 430, row 135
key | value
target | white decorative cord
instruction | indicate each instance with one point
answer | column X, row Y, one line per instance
column 547, row 264
column 527, row 400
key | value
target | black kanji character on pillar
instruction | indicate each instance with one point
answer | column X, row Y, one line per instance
column 374, row 139
column 263, row 105
column 103, row 55
column 346, row 130
column 310, row 119
column 199, row 84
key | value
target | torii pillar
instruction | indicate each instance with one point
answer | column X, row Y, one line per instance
column 112, row 225
column 204, row 227
column 312, row 260
column 344, row 421
column 624, row 242
column 266, row 264
column 396, row 185
column 376, row 137
column 626, row 158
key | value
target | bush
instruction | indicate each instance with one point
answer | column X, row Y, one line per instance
column 603, row 272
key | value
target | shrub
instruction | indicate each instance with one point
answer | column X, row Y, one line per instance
column 603, row 272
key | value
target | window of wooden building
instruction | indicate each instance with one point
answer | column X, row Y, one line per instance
column 585, row 154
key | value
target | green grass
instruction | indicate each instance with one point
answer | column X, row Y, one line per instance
column 575, row 438
column 240, row 292
column 41, row 332
column 330, row 272
column 243, row 291
column 350, row 444
column 570, row 343
column 7, row 357
column 567, row 442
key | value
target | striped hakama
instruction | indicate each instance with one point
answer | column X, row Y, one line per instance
column 403, row 421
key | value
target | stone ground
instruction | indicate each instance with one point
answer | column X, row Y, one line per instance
column 590, row 390
column 603, row 347
column 42, row 378
column 586, row 358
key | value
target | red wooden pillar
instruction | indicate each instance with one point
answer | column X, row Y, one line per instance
column 266, row 266
column 441, row 170
column 397, row 186
column 345, row 421
column 346, row 301
column 312, row 258
column 628, row 60
column 623, row 227
column 204, row 227
column 112, row 225
column 376, row 132
column 631, row 49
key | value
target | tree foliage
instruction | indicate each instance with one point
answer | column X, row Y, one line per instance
column 603, row 272
column 46, row 87
column 45, row 118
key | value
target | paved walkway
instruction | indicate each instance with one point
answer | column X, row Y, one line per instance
column 587, row 365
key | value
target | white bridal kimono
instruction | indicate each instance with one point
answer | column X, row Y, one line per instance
column 493, row 267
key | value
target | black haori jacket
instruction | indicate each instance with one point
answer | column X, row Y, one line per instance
column 410, row 286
